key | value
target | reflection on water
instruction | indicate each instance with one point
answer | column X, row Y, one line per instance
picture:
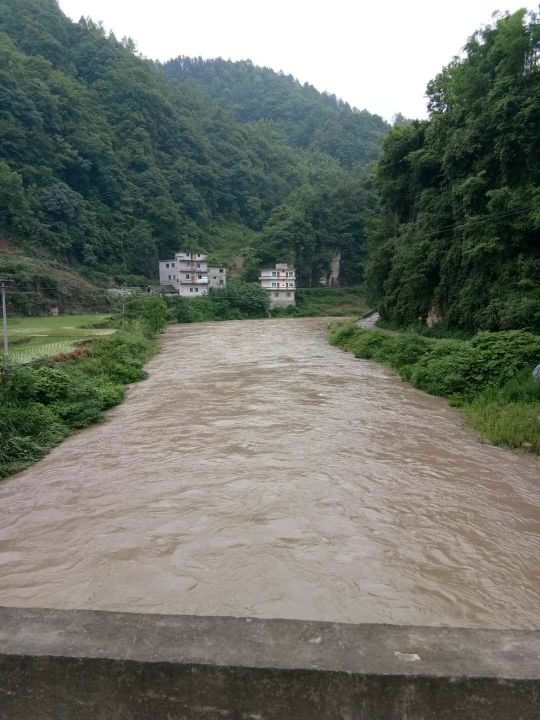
column 261, row 472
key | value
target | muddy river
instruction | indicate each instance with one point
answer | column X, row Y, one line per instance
column 261, row 472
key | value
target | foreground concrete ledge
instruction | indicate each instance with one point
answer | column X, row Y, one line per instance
column 91, row 664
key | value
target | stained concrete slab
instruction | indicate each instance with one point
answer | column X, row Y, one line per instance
column 83, row 664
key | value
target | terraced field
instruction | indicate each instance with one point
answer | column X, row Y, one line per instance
column 40, row 337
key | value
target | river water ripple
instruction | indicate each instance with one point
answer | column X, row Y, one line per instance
column 261, row 472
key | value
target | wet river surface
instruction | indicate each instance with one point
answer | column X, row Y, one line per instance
column 261, row 472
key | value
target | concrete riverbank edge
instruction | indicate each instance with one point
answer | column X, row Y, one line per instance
column 94, row 665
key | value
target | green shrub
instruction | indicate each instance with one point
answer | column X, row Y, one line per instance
column 402, row 351
column 366, row 343
column 466, row 368
column 79, row 413
column 110, row 394
column 342, row 333
column 503, row 355
column 180, row 309
column 155, row 313
column 449, row 369
column 50, row 383
column 27, row 432
column 239, row 300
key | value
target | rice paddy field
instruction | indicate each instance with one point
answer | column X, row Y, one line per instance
column 33, row 338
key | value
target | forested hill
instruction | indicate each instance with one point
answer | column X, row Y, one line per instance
column 459, row 229
column 107, row 165
column 300, row 114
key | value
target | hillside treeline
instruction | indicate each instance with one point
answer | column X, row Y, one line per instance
column 298, row 113
column 106, row 165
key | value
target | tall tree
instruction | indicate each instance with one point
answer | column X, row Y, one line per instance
column 460, row 193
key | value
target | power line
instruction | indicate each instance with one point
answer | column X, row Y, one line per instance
column 482, row 218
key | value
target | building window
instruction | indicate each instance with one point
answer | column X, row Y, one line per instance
column 196, row 289
column 187, row 276
column 220, row 270
column 169, row 277
column 288, row 294
column 221, row 281
column 273, row 274
column 166, row 265
column 172, row 264
column 198, row 265
column 273, row 284
column 190, row 289
column 200, row 277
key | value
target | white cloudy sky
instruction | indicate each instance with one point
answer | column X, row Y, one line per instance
column 377, row 55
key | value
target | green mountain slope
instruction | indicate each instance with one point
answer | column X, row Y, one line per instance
column 299, row 114
column 107, row 165
column 459, row 228
column 103, row 162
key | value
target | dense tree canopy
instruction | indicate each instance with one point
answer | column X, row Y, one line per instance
column 319, row 225
column 299, row 114
column 459, row 227
column 107, row 164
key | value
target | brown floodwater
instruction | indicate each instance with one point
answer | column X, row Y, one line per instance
column 261, row 472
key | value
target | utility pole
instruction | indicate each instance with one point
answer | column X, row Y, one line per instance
column 4, row 326
column 123, row 307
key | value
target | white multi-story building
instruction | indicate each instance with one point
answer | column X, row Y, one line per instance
column 280, row 284
column 190, row 275
column 217, row 277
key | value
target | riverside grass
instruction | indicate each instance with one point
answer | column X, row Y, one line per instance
column 488, row 376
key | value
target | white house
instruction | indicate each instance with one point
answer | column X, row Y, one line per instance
column 217, row 277
column 280, row 284
column 190, row 275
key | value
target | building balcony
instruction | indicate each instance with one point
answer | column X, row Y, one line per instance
column 279, row 276
column 193, row 267
column 287, row 284
column 193, row 281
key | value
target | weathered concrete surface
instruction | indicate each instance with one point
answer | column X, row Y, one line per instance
column 88, row 665
column 369, row 321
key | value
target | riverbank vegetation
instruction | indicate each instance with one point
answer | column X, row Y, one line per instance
column 41, row 403
column 489, row 376
column 248, row 301
column 238, row 300
column 325, row 302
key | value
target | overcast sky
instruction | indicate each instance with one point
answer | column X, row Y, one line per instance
column 377, row 55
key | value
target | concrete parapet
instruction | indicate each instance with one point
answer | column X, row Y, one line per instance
column 90, row 665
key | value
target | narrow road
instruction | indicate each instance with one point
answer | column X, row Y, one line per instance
column 260, row 471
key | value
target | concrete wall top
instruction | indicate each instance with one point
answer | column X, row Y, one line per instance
column 87, row 665
column 281, row 644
